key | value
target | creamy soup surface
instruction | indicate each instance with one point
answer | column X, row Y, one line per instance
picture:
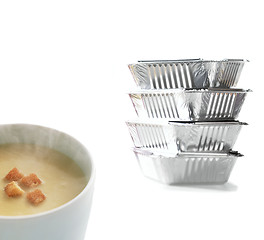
column 62, row 179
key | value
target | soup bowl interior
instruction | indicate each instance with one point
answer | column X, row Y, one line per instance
column 67, row 221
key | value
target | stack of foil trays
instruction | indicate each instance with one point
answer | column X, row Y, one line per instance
column 187, row 123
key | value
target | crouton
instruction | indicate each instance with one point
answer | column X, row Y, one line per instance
column 31, row 180
column 36, row 197
column 13, row 190
column 14, row 175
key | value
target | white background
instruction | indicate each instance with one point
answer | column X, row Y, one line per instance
column 63, row 64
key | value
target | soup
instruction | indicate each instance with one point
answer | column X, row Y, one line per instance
column 61, row 178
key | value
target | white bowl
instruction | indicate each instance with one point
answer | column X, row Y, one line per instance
column 67, row 222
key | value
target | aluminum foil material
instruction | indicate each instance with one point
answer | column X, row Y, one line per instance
column 186, row 168
column 193, row 73
column 177, row 137
column 189, row 105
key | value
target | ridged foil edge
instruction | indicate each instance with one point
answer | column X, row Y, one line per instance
column 195, row 73
column 187, row 168
column 178, row 137
column 189, row 105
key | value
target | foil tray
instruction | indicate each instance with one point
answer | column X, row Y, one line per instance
column 177, row 137
column 189, row 105
column 187, row 168
column 193, row 73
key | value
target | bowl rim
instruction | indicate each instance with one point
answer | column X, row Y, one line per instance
column 88, row 186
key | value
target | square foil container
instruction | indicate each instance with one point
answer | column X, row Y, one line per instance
column 189, row 104
column 178, row 137
column 189, row 73
column 187, row 168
